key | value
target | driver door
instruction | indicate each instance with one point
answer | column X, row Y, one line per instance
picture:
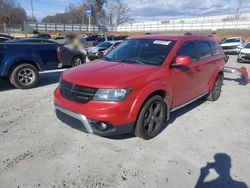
column 184, row 79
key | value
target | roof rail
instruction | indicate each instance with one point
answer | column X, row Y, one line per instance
column 189, row 33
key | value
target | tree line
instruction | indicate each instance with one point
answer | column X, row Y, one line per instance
column 105, row 12
column 11, row 13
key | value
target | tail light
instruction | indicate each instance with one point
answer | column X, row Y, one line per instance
column 58, row 53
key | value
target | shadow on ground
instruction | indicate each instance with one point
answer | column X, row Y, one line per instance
column 46, row 78
column 222, row 165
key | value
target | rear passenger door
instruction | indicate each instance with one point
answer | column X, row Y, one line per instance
column 204, row 65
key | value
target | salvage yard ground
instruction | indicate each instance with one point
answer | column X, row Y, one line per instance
column 38, row 150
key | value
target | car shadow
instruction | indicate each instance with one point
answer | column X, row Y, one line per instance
column 46, row 78
column 240, row 81
column 222, row 165
column 175, row 114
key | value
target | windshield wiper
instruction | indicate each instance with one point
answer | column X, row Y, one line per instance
column 131, row 61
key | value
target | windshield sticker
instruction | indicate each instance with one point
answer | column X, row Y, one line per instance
column 162, row 42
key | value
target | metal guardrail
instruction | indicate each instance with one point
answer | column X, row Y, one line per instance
column 145, row 26
column 63, row 27
column 159, row 26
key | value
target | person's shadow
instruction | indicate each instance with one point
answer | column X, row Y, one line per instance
column 222, row 166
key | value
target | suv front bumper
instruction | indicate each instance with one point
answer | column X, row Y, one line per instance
column 88, row 127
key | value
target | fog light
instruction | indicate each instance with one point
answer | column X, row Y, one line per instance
column 103, row 126
column 100, row 125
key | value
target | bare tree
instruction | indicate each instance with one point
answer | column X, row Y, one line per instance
column 237, row 12
column 118, row 13
column 11, row 13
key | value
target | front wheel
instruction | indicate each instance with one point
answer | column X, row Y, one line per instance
column 216, row 91
column 151, row 118
column 24, row 76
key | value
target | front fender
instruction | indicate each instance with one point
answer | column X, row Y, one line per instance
column 145, row 92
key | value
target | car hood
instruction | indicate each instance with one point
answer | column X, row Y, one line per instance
column 108, row 74
column 245, row 50
column 231, row 44
column 95, row 49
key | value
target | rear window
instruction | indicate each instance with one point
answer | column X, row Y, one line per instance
column 204, row 50
column 215, row 48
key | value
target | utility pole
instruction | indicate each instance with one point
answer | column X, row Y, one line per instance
column 33, row 17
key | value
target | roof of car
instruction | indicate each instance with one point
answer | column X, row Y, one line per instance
column 171, row 37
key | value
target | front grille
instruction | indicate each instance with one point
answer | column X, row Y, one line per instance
column 76, row 93
column 229, row 47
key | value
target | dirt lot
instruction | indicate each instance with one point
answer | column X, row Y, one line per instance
column 37, row 150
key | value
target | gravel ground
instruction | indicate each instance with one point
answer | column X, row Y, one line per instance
column 204, row 138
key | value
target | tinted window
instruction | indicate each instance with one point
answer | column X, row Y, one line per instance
column 231, row 40
column 248, row 45
column 188, row 49
column 204, row 50
column 215, row 48
column 141, row 51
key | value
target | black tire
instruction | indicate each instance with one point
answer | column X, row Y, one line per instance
column 24, row 76
column 99, row 54
column 76, row 61
column 151, row 118
column 216, row 91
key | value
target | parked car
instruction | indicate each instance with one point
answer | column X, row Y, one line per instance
column 97, row 51
column 21, row 62
column 3, row 39
column 42, row 36
column 244, row 55
column 232, row 45
column 68, row 56
column 136, row 86
column 105, row 38
column 60, row 40
column 6, row 36
column 114, row 45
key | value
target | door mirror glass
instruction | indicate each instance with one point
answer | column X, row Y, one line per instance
column 182, row 61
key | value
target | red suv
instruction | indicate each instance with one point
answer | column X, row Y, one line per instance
column 136, row 85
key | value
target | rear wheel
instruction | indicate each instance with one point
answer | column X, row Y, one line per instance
column 76, row 61
column 24, row 76
column 216, row 91
column 151, row 118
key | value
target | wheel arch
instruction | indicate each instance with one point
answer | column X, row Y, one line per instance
column 146, row 93
column 213, row 78
column 23, row 61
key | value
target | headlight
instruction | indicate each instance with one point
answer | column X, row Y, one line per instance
column 111, row 94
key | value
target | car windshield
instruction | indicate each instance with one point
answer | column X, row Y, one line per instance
column 231, row 40
column 141, row 51
column 104, row 44
column 248, row 45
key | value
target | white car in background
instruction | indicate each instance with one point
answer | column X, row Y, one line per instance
column 232, row 45
column 244, row 55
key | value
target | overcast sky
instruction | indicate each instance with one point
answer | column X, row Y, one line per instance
column 149, row 9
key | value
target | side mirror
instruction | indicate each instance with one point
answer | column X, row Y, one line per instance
column 182, row 61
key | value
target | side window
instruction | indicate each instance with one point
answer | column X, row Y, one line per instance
column 215, row 48
column 204, row 50
column 188, row 49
